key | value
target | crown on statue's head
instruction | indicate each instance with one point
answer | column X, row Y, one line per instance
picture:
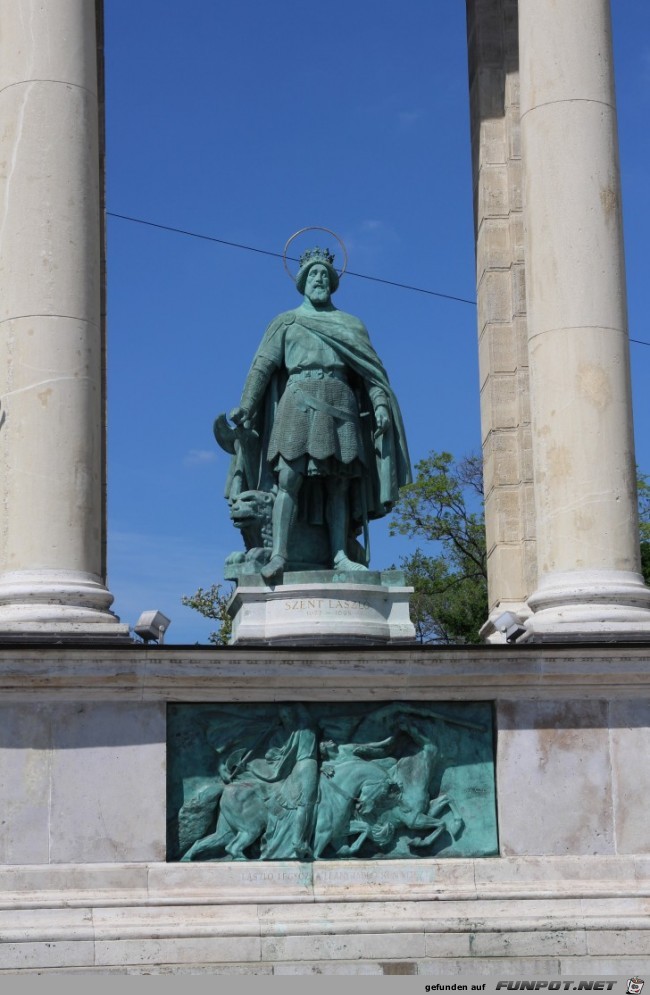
column 312, row 257
column 317, row 255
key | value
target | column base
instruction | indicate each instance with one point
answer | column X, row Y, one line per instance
column 591, row 605
column 64, row 605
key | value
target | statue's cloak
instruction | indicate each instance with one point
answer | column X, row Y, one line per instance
column 386, row 457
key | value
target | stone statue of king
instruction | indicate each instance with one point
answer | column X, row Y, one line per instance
column 318, row 444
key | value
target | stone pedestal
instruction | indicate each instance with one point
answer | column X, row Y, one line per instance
column 322, row 608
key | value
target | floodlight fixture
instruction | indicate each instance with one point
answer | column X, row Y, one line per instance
column 152, row 626
column 511, row 625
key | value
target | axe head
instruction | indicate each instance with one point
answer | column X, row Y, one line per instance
column 224, row 434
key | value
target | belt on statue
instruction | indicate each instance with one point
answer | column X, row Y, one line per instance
column 306, row 402
column 318, row 374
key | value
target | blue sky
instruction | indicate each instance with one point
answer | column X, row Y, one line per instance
column 248, row 121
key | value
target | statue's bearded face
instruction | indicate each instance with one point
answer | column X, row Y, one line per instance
column 317, row 286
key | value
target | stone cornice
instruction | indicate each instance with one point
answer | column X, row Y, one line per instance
column 172, row 673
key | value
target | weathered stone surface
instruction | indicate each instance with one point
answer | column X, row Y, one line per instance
column 555, row 791
column 509, row 561
column 495, row 304
column 565, row 716
column 169, row 673
column 371, row 946
column 493, row 246
column 497, row 350
column 379, row 936
column 499, row 403
column 25, row 784
column 503, row 349
column 589, row 571
column 47, row 955
column 323, row 608
column 51, row 543
column 82, row 782
column 630, row 741
column 505, row 505
column 107, row 783
column 182, row 950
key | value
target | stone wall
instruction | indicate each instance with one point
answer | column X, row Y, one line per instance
column 503, row 349
column 84, row 883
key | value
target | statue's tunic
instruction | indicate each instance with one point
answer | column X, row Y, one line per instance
column 318, row 415
column 313, row 388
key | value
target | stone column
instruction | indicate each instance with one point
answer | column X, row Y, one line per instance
column 589, row 580
column 51, row 435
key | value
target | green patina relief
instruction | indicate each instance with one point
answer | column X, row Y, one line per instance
column 321, row 781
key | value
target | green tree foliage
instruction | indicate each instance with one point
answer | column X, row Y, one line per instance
column 644, row 524
column 211, row 603
column 444, row 505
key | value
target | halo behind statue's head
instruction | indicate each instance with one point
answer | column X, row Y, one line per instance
column 310, row 257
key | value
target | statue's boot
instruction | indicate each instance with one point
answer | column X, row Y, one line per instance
column 283, row 512
column 343, row 562
column 337, row 520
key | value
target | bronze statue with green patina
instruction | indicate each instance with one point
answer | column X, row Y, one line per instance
column 318, row 445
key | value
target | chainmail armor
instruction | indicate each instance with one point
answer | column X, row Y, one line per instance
column 306, row 426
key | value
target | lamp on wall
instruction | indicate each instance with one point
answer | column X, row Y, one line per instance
column 152, row 626
column 512, row 625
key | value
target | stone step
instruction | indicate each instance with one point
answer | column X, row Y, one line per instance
column 365, row 933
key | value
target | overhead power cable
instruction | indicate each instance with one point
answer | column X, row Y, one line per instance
column 278, row 255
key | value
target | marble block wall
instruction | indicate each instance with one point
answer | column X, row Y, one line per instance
column 82, row 782
column 569, row 777
column 493, row 55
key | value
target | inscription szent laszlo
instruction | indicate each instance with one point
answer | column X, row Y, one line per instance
column 321, row 781
column 326, row 606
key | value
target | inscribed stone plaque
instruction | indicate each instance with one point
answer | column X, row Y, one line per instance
column 320, row 781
